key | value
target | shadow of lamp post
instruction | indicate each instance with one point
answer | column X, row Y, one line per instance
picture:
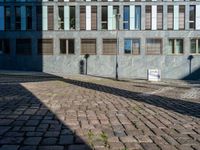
column 117, row 45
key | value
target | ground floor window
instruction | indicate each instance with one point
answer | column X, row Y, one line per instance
column 45, row 46
column 195, row 46
column 88, row 46
column 66, row 46
column 23, row 47
column 132, row 46
column 4, row 46
column 176, row 46
column 153, row 46
column 109, row 46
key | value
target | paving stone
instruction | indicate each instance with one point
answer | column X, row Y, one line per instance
column 49, row 141
column 51, row 147
column 32, row 141
column 28, row 148
column 66, row 139
column 144, row 139
column 150, row 146
column 9, row 147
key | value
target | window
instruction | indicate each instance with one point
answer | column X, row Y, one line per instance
column 148, row 18
column 17, row 18
column 72, row 17
column 50, row 18
column 192, row 17
column 88, row 46
column 45, row 46
column 7, row 18
column 159, row 17
column 66, row 46
column 170, row 15
column 23, row 47
column 132, row 46
column 195, row 46
column 176, row 46
column 82, row 18
column 29, row 17
column 104, row 17
column 181, row 17
column 137, row 17
column 39, row 18
column 153, row 46
column 109, row 46
column 60, row 17
column 115, row 19
column 126, row 22
column 4, row 46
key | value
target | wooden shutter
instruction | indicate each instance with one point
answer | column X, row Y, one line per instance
column 82, row 18
column 136, row 46
column 109, row 46
column 181, row 17
column 94, row 18
column 45, row 46
column 50, row 18
column 148, row 18
column 170, row 15
column 88, row 46
column 153, row 46
column 160, row 17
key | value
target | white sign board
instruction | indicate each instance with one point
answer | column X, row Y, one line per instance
column 154, row 75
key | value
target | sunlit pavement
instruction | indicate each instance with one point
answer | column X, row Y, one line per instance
column 77, row 113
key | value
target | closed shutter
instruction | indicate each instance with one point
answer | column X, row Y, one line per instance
column 109, row 46
column 160, row 17
column 50, row 18
column 136, row 46
column 182, row 17
column 153, row 46
column 39, row 17
column 82, row 18
column 88, row 46
column 94, row 18
column 170, row 16
column 148, row 18
column 45, row 46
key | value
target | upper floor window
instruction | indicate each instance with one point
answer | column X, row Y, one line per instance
column 17, row 18
column 132, row 46
column 192, row 17
column 195, row 46
column 176, row 46
column 7, row 14
column 67, row 46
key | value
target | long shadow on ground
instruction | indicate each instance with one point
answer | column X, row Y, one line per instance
column 27, row 124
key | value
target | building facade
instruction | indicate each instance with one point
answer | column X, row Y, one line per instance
column 53, row 36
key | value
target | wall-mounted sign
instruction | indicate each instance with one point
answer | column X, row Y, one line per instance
column 154, row 75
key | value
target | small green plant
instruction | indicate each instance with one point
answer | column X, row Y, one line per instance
column 104, row 138
column 91, row 138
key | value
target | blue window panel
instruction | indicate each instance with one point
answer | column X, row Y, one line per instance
column 137, row 17
column 126, row 17
column 127, row 46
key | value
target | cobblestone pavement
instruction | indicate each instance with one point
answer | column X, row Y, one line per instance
column 48, row 113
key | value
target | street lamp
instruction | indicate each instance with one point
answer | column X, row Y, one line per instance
column 117, row 45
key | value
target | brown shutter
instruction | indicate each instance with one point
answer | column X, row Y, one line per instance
column 182, row 17
column 82, row 18
column 136, row 46
column 88, row 46
column 45, row 46
column 50, row 18
column 109, row 46
column 148, row 18
column 153, row 46
column 160, row 17
column 94, row 18
column 170, row 15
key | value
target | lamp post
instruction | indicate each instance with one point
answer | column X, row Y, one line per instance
column 117, row 45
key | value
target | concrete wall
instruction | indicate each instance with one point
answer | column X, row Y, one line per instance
column 130, row 66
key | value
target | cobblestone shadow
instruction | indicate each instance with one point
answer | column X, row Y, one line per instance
column 28, row 124
column 176, row 105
